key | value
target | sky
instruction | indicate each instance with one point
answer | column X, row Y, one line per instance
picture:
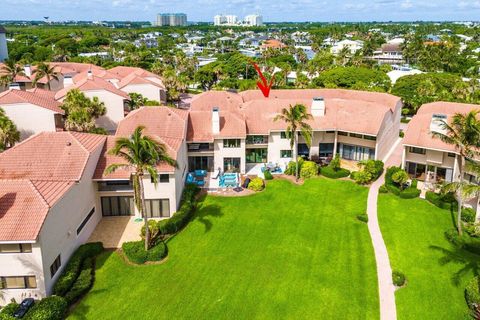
column 272, row 10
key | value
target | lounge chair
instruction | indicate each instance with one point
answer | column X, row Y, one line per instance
column 190, row 178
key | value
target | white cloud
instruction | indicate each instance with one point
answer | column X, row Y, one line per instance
column 407, row 4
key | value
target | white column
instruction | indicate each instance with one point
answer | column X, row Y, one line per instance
column 335, row 144
column 404, row 153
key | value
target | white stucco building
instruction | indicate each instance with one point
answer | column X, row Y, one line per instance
column 3, row 44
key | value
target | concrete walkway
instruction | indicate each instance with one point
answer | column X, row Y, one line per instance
column 386, row 289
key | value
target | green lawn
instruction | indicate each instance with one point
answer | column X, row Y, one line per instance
column 414, row 234
column 291, row 252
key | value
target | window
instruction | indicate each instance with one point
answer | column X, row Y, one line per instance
column 330, row 131
column 373, row 138
column 55, row 266
column 283, row 135
column 200, row 163
column 342, row 133
column 357, row 153
column 256, row 155
column 356, row 135
column 117, row 206
column 15, row 248
column 303, row 150
column 157, row 208
column 285, row 153
column 231, row 143
column 451, row 155
column 20, row 282
column 231, row 164
column 325, row 150
column 417, row 150
column 85, row 221
column 162, row 178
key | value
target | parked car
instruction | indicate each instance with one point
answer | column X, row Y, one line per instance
column 23, row 308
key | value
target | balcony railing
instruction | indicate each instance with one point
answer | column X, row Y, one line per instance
column 120, row 185
column 256, row 140
column 200, row 147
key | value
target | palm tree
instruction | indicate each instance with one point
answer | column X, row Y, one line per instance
column 9, row 134
column 464, row 134
column 296, row 118
column 44, row 70
column 9, row 71
column 142, row 154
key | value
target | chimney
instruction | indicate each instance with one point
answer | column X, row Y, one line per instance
column 318, row 107
column 67, row 81
column 437, row 122
column 90, row 74
column 28, row 70
column 215, row 120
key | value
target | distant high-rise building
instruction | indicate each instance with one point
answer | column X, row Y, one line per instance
column 254, row 20
column 218, row 20
column 172, row 19
column 231, row 19
column 3, row 44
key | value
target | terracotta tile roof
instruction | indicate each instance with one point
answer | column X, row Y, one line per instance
column 273, row 43
column 106, row 160
column 125, row 71
column 24, row 205
column 44, row 93
column 200, row 126
column 90, row 84
column 70, row 68
column 50, row 156
column 223, row 99
column 418, row 132
column 165, row 124
column 36, row 98
column 135, row 79
column 100, row 73
column 345, row 115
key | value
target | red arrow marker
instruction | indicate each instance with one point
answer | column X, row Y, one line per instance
column 264, row 86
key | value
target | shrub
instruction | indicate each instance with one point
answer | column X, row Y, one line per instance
column 154, row 230
column 410, row 193
column 83, row 283
column 464, row 241
column 8, row 310
column 361, row 177
column 401, row 134
column 468, row 215
column 50, row 308
column 363, row 217
column 309, row 170
column 135, row 252
column 329, row 172
column 291, row 168
column 256, row 184
column 383, row 189
column 268, row 175
column 400, row 177
column 472, row 293
column 73, row 268
column 183, row 215
column 398, row 278
column 7, row 317
column 336, row 163
column 444, row 201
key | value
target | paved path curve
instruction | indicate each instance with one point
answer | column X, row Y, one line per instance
column 386, row 289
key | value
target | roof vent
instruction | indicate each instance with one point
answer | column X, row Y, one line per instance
column 437, row 123
column 69, row 144
column 318, row 107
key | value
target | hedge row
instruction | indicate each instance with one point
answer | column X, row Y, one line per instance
column 472, row 293
column 329, row 172
column 444, row 201
column 184, row 214
column 75, row 266
column 7, row 311
column 135, row 252
column 50, row 308
column 464, row 241
column 83, row 283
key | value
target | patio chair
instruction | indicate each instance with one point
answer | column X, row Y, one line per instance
column 190, row 178
column 200, row 173
column 200, row 183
